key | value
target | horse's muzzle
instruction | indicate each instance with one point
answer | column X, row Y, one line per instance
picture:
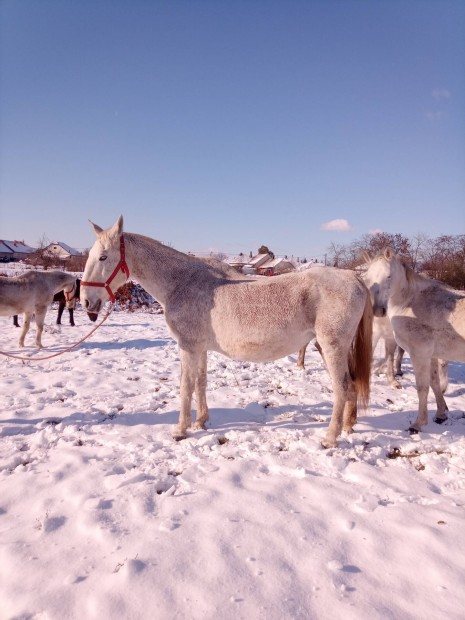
column 379, row 311
column 92, row 316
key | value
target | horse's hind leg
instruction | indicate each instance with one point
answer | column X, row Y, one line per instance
column 344, row 406
column 350, row 415
column 301, row 357
column 421, row 363
column 15, row 320
column 201, row 393
column 190, row 362
column 442, row 409
column 26, row 324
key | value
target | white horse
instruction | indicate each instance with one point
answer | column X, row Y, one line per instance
column 31, row 293
column 428, row 319
column 207, row 308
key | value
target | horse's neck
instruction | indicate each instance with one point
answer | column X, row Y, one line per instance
column 405, row 290
column 155, row 266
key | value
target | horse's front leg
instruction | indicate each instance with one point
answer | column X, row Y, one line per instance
column 71, row 317
column 61, row 307
column 40, row 320
column 398, row 361
column 26, row 324
column 436, row 376
column 390, row 348
column 443, row 375
column 201, row 393
column 421, row 363
column 189, row 371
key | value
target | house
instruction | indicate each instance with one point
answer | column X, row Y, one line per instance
column 237, row 262
column 275, row 266
column 14, row 251
column 252, row 264
column 61, row 250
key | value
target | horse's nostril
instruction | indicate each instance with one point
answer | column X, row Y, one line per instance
column 87, row 303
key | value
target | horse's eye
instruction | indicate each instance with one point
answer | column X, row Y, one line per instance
column 103, row 257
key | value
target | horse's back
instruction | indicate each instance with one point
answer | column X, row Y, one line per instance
column 268, row 318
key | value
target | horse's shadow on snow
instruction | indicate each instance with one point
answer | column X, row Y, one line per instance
column 252, row 417
column 138, row 343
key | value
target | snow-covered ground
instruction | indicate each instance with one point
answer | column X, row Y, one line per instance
column 103, row 515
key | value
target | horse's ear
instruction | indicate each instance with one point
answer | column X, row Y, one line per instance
column 117, row 228
column 388, row 253
column 366, row 257
column 96, row 228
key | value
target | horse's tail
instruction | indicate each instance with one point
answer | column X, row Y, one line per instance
column 361, row 355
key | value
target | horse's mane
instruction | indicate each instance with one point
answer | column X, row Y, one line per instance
column 417, row 281
column 209, row 265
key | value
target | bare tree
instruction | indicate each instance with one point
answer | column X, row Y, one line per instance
column 221, row 256
column 42, row 257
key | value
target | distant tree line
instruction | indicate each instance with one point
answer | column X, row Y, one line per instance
column 441, row 258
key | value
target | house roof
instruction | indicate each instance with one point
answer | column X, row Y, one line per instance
column 258, row 260
column 4, row 248
column 16, row 246
column 64, row 246
column 237, row 260
column 274, row 262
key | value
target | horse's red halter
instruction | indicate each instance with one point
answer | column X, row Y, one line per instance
column 121, row 265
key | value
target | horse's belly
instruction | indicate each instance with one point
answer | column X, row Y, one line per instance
column 8, row 309
column 257, row 349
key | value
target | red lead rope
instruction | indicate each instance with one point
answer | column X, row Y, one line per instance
column 121, row 265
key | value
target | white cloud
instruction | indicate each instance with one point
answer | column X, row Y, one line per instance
column 338, row 225
column 376, row 231
column 441, row 93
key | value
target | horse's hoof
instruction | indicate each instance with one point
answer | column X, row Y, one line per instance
column 413, row 431
column 439, row 420
column 179, row 434
column 326, row 444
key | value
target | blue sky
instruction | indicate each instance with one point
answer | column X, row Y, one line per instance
column 225, row 125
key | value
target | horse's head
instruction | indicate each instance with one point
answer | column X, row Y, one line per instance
column 105, row 269
column 378, row 279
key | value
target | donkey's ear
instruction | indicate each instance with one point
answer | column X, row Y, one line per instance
column 388, row 253
column 96, row 228
column 117, row 228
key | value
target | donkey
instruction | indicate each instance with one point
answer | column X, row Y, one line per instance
column 260, row 320
column 31, row 293
column 428, row 319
